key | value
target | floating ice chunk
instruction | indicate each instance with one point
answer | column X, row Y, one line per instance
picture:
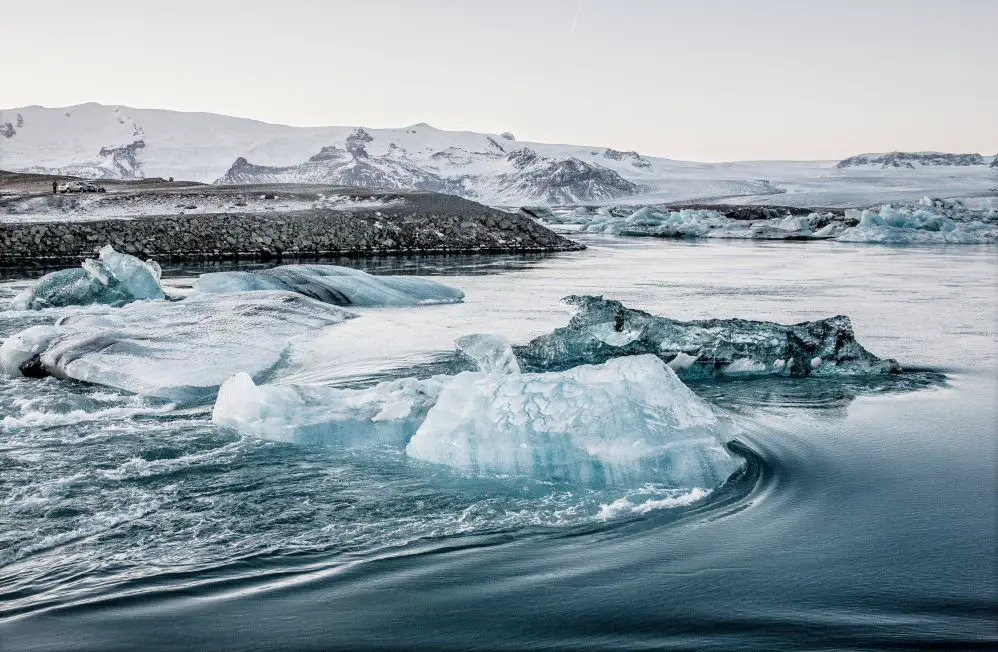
column 114, row 279
column 389, row 411
column 490, row 353
column 630, row 420
column 342, row 286
column 176, row 350
column 799, row 224
column 648, row 221
column 718, row 346
column 931, row 221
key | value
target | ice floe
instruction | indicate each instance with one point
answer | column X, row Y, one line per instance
column 176, row 350
column 628, row 421
column 113, row 279
column 928, row 222
column 603, row 329
column 342, row 286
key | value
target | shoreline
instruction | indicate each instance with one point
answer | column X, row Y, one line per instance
column 271, row 223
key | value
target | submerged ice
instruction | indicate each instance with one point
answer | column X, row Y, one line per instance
column 113, row 279
column 341, row 286
column 177, row 350
column 603, row 329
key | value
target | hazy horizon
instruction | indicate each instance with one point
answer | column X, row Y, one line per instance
column 719, row 81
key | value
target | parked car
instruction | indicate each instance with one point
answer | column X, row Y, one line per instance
column 80, row 186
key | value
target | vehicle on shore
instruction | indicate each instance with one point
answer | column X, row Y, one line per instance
column 80, row 186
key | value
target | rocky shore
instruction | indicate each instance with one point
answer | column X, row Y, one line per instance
column 267, row 223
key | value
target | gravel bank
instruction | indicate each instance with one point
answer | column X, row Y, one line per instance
column 374, row 223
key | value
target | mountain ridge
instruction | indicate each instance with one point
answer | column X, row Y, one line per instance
column 118, row 142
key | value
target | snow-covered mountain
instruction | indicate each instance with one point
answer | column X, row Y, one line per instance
column 97, row 141
column 912, row 159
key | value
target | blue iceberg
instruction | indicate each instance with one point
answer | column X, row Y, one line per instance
column 114, row 279
column 341, row 286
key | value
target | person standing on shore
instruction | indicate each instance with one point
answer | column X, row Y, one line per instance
column 53, row 187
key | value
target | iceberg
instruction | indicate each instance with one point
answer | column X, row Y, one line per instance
column 341, row 286
column 489, row 353
column 931, row 221
column 652, row 222
column 628, row 421
column 389, row 411
column 603, row 329
column 113, row 279
column 181, row 351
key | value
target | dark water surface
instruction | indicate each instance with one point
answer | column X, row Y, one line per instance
column 865, row 518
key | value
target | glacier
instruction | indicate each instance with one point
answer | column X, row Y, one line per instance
column 625, row 422
column 181, row 351
column 603, row 329
column 341, row 286
column 628, row 421
column 114, row 279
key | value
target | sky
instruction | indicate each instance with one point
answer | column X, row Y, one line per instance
column 707, row 80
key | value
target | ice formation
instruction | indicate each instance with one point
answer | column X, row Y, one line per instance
column 177, row 350
column 490, row 353
column 312, row 413
column 931, row 221
column 649, row 221
column 604, row 329
column 114, row 279
column 342, row 286
column 627, row 421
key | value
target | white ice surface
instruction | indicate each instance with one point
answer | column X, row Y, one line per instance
column 608, row 422
column 333, row 284
column 176, row 350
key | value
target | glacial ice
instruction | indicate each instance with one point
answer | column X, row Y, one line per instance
column 341, row 286
column 928, row 222
column 114, row 279
column 627, row 421
column 650, row 221
column 389, row 411
column 701, row 349
column 931, row 221
column 490, row 353
column 176, row 350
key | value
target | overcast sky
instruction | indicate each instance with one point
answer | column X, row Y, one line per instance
column 700, row 80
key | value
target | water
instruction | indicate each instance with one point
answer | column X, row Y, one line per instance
column 865, row 518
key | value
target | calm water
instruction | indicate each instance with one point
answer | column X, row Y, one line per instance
column 866, row 517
